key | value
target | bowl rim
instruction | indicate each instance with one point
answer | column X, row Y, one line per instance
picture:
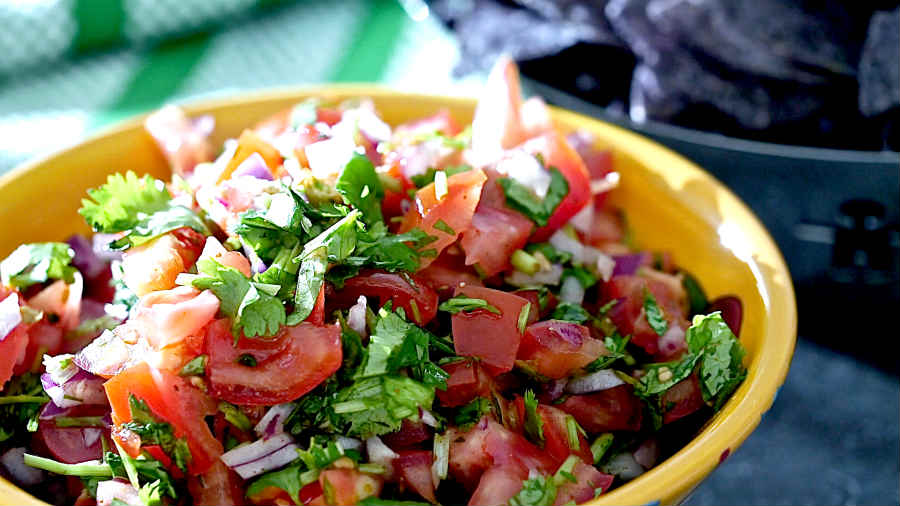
column 673, row 479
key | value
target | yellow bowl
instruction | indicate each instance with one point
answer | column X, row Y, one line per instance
column 671, row 204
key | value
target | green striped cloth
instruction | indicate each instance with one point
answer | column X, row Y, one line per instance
column 88, row 63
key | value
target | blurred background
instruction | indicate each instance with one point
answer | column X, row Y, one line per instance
column 795, row 104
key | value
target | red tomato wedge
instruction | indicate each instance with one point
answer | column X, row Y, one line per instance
column 452, row 213
column 628, row 315
column 309, row 353
column 414, row 469
column 467, row 381
column 557, row 153
column 447, row 273
column 172, row 399
column 347, row 487
column 616, row 408
column 588, row 480
column 419, row 301
column 684, row 398
column 217, row 486
column 556, row 434
column 493, row 338
column 495, row 234
column 556, row 348
column 42, row 337
column 498, row 485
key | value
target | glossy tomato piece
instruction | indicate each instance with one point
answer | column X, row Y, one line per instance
column 683, row 399
column 393, row 202
column 556, row 435
column 557, row 153
column 588, row 480
column 347, row 487
column 493, row 338
column 72, row 444
column 413, row 468
column 467, row 380
column 173, row 400
column 419, row 301
column 628, row 314
column 309, row 352
column 452, row 213
column 495, row 234
column 612, row 409
column 155, row 265
column 14, row 344
column 557, row 348
column 43, row 337
column 217, row 485
column 498, row 485
column 448, row 273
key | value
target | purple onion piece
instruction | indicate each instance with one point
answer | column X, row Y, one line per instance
column 254, row 166
column 555, row 389
column 51, row 410
column 628, row 264
column 86, row 260
column 732, row 312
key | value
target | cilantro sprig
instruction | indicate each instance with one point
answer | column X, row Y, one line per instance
column 36, row 263
column 522, row 199
column 145, row 424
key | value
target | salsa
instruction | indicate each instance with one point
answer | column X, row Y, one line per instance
column 337, row 311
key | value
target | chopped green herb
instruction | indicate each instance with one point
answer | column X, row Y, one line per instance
column 443, row 227
column 235, row 416
column 655, row 316
column 427, row 178
column 360, row 187
column 36, row 263
column 584, row 276
column 522, row 199
column 196, row 367
column 523, row 317
column 696, row 295
column 570, row 312
column 600, row 446
column 524, row 262
column 462, row 303
column 534, row 424
column 247, row 360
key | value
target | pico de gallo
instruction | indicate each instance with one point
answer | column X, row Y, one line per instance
column 333, row 310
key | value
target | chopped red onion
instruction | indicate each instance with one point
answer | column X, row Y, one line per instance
column 261, row 455
column 108, row 354
column 86, row 260
column 272, row 422
column 380, row 453
column 672, row 341
column 90, row 435
column 110, row 490
column 100, row 246
column 349, row 443
column 14, row 462
column 282, row 456
column 356, row 318
column 647, row 453
column 628, row 264
column 10, row 315
column 60, row 368
column 253, row 166
column 427, row 418
column 594, row 382
column 83, row 388
column 51, row 411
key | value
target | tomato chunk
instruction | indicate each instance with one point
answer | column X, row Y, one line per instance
column 410, row 433
column 346, row 487
column 498, row 485
column 173, row 400
column 452, row 213
column 309, row 352
column 684, row 398
column 494, row 338
column 448, row 273
column 250, row 142
column 557, row 348
column 413, row 467
column 612, row 409
column 628, row 314
column 495, row 234
column 588, row 481
column 556, row 437
column 218, row 485
column 467, row 381
column 419, row 302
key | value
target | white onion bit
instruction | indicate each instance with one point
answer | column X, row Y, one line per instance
column 564, row 242
column 10, row 315
column 356, row 318
column 594, row 382
column 572, row 290
column 380, row 453
column 428, row 418
column 549, row 276
column 349, row 443
column 272, row 422
column 259, row 449
column 109, row 490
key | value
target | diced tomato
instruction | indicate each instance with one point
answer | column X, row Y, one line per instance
column 612, row 409
column 413, row 467
column 392, row 203
column 440, row 121
column 629, row 316
column 556, row 434
column 452, row 212
column 495, row 234
column 587, row 481
column 682, row 399
column 43, row 338
column 557, row 348
column 498, row 485
column 167, row 317
column 12, row 352
column 60, row 301
column 447, row 273
column 217, row 485
column 310, row 493
column 250, row 142
column 467, row 381
column 311, row 353
column 419, row 302
column 557, row 153
column 128, row 440
column 155, row 265
column 69, row 444
column 317, row 316
column 410, row 433
column 732, row 312
column 493, row 338
column 173, row 400
column 347, row 487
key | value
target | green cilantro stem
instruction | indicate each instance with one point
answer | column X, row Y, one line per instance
column 80, row 421
column 82, row 469
column 525, row 262
column 601, row 445
column 128, row 464
column 24, row 399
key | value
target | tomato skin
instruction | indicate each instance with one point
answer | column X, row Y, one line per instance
column 317, row 316
column 455, row 209
column 556, row 435
column 557, row 153
column 612, row 409
column 311, row 352
column 410, row 434
column 467, row 381
column 218, row 486
column 155, row 265
column 557, row 348
column 491, row 337
column 628, row 314
column 588, row 480
column 67, row 444
column 447, row 273
column 42, row 337
column 413, row 467
column 495, row 234
column 383, row 285
column 172, row 399
column 498, row 485
column 347, row 486
column 685, row 397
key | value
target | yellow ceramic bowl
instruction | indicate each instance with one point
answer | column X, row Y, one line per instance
column 671, row 204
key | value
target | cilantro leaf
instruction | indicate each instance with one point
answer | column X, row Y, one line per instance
column 655, row 316
column 396, row 343
column 695, row 293
column 287, row 479
column 522, row 199
column 148, row 468
column 537, row 491
column 615, row 347
column 309, row 282
column 117, row 205
column 721, row 369
column 472, row 412
column 152, row 431
column 36, row 263
column 17, row 418
column 196, row 367
column 157, row 224
column 570, row 312
column 534, row 424
column 461, row 303
column 583, row 276
column 360, row 187
column 549, row 251
column 376, row 406
column 253, row 312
